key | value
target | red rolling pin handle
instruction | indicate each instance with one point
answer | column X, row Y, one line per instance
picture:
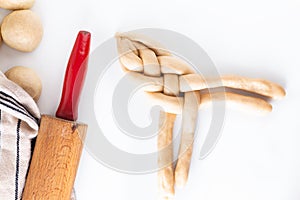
column 74, row 78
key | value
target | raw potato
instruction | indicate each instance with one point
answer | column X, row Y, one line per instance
column 27, row 79
column 16, row 4
column 22, row 30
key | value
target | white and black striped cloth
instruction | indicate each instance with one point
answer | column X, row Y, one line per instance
column 19, row 117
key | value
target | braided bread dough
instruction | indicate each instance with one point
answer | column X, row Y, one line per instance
column 166, row 78
column 262, row 87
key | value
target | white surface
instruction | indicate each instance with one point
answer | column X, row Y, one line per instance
column 257, row 158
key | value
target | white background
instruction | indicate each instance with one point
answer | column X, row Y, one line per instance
column 257, row 158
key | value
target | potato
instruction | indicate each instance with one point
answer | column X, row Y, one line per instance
column 22, row 30
column 16, row 4
column 27, row 79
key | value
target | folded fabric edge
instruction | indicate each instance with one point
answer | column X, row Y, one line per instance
column 17, row 101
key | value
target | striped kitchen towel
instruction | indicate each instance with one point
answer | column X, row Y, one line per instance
column 19, row 117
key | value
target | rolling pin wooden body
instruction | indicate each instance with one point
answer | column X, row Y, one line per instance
column 55, row 159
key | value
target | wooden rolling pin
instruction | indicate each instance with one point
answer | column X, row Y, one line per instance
column 60, row 140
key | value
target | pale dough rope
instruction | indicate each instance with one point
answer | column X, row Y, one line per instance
column 165, row 77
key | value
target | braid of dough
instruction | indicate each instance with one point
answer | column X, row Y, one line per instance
column 167, row 77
